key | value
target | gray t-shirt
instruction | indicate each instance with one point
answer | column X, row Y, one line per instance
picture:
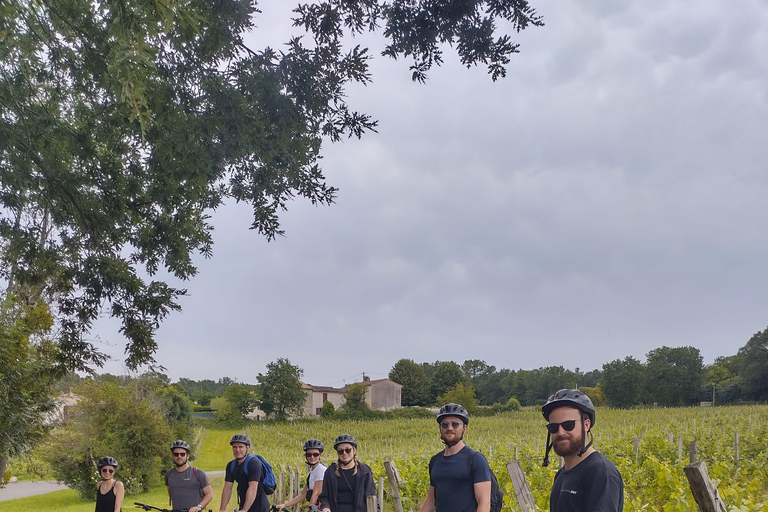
column 186, row 487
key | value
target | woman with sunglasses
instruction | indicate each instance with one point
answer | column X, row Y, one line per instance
column 348, row 482
column 110, row 493
column 313, row 452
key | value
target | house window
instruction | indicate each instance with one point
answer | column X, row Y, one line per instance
column 317, row 411
column 325, row 397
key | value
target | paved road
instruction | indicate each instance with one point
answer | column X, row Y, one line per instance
column 15, row 490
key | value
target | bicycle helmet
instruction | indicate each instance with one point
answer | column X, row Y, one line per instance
column 344, row 438
column 314, row 443
column 453, row 410
column 570, row 398
column 106, row 461
column 578, row 400
column 240, row 438
column 180, row 444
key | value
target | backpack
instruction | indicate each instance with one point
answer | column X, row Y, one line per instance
column 497, row 497
column 268, row 481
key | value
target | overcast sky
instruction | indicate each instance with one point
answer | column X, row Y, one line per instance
column 607, row 198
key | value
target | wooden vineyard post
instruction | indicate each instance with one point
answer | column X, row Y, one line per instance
column 679, row 448
column 702, row 488
column 394, row 484
column 736, row 446
column 522, row 491
column 692, row 451
column 281, row 486
column 380, row 490
column 370, row 504
column 636, row 448
column 298, row 488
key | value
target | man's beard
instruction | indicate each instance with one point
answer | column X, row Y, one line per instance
column 452, row 443
column 566, row 450
column 178, row 465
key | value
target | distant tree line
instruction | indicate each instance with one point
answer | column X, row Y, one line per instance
column 670, row 376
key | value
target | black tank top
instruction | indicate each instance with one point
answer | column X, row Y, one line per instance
column 106, row 502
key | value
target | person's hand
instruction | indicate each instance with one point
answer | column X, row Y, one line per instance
column 281, row 506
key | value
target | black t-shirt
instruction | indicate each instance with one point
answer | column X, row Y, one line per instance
column 345, row 492
column 593, row 485
column 261, row 503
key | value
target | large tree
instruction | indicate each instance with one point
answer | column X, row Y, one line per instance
column 124, row 124
column 753, row 366
column 673, row 376
column 414, row 380
column 622, row 382
column 281, row 391
column 27, row 376
column 445, row 376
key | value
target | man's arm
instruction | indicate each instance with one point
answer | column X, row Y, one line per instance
column 483, row 496
column 250, row 495
column 226, row 494
column 206, row 499
column 429, row 502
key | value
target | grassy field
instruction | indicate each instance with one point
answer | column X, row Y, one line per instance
column 654, row 478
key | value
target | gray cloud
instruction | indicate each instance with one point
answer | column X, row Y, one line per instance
column 605, row 199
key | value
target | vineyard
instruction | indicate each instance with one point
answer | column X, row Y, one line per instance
column 649, row 446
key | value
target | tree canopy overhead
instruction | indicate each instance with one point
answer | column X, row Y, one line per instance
column 123, row 124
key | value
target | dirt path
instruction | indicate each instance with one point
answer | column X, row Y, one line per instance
column 15, row 490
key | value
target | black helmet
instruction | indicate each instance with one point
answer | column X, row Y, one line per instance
column 314, row 443
column 578, row 400
column 240, row 438
column 106, row 461
column 180, row 444
column 453, row 410
column 344, row 438
column 570, row 398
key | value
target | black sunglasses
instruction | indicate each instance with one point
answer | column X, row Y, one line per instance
column 567, row 426
column 311, row 454
column 455, row 424
column 344, row 450
column 179, row 454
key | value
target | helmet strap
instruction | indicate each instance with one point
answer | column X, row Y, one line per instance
column 584, row 445
column 546, row 452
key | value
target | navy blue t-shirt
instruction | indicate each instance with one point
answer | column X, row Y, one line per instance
column 261, row 503
column 454, row 488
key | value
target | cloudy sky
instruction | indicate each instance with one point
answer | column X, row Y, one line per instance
column 607, row 198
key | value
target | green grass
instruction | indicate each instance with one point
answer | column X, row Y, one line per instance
column 69, row 501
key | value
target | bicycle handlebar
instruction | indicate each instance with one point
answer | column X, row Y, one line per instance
column 150, row 507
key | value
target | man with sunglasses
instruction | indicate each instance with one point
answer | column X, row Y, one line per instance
column 188, row 487
column 456, row 483
column 587, row 482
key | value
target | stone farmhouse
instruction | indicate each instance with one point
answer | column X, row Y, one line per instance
column 382, row 395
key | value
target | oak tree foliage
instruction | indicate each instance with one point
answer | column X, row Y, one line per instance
column 124, row 124
column 281, row 393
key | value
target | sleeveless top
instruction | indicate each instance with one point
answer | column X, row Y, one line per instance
column 105, row 502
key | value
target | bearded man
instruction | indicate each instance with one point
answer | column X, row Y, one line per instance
column 452, row 487
column 587, row 482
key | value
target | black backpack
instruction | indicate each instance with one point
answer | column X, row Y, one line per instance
column 497, row 497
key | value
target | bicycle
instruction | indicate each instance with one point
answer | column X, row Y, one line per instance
column 150, row 507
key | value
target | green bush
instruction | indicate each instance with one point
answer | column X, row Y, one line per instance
column 115, row 421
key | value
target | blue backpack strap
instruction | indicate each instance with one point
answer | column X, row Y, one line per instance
column 245, row 464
